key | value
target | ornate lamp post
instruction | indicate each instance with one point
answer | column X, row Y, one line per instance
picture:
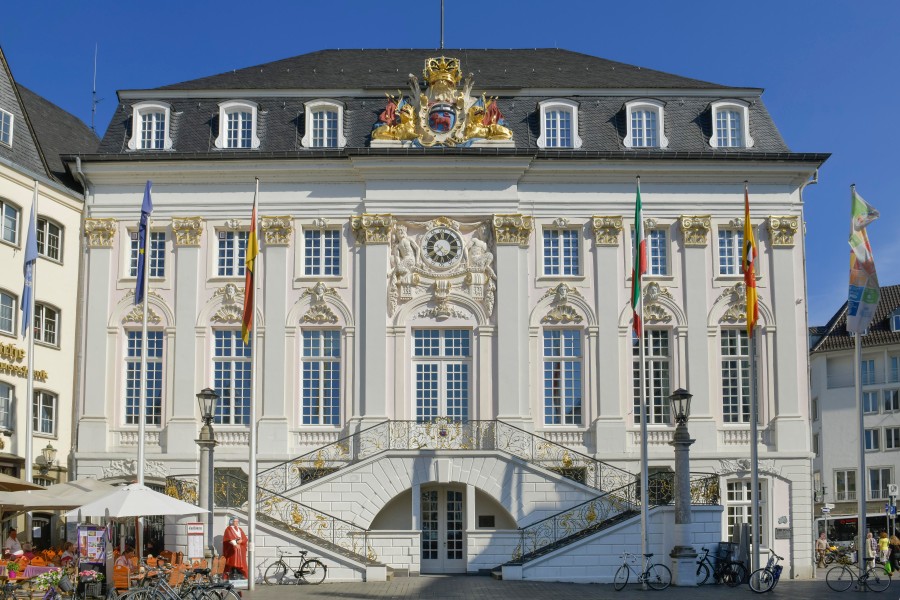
column 683, row 556
column 49, row 456
column 207, row 442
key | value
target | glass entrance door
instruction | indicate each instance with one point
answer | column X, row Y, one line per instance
column 443, row 523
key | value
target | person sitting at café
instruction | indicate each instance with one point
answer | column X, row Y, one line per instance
column 27, row 551
column 68, row 554
column 126, row 559
column 12, row 544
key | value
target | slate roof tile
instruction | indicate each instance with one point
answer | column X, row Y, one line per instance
column 836, row 336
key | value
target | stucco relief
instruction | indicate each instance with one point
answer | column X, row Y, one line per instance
column 277, row 230
column 100, row 232
column 736, row 296
column 654, row 311
column 607, row 230
column 782, row 230
column 695, row 228
column 231, row 310
column 513, row 229
column 319, row 312
column 561, row 312
column 372, row 229
column 742, row 467
column 128, row 467
column 187, row 230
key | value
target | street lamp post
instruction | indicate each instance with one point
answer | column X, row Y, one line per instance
column 683, row 555
column 207, row 442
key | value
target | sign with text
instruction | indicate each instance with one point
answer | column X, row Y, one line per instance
column 196, row 533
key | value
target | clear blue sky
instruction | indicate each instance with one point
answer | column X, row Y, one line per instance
column 829, row 67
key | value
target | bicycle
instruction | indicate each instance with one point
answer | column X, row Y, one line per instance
column 841, row 577
column 311, row 570
column 765, row 579
column 655, row 575
column 731, row 573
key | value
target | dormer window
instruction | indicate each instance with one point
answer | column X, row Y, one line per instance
column 6, row 128
column 731, row 124
column 150, row 127
column 895, row 321
column 559, row 124
column 645, row 124
column 324, row 125
column 237, row 125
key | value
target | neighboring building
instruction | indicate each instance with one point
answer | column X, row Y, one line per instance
column 33, row 135
column 835, row 417
column 451, row 290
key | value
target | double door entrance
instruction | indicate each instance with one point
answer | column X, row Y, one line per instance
column 443, row 524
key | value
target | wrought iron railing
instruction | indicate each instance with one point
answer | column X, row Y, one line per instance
column 230, row 488
column 442, row 434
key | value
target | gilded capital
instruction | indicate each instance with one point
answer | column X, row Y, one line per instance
column 607, row 230
column 372, row 229
column 187, row 230
column 277, row 230
column 512, row 229
column 694, row 229
column 782, row 230
column 100, row 232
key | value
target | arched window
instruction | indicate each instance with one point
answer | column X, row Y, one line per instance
column 645, row 124
column 238, row 125
column 559, row 124
column 150, row 126
column 324, row 125
column 730, row 124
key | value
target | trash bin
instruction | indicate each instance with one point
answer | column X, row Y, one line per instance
column 726, row 551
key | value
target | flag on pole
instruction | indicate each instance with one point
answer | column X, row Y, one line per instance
column 640, row 263
column 864, row 290
column 31, row 254
column 249, row 276
column 748, row 266
column 143, row 236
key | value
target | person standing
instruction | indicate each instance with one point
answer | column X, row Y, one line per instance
column 884, row 547
column 871, row 548
column 894, row 543
column 234, row 549
column 821, row 549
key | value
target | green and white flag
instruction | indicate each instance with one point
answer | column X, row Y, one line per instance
column 864, row 290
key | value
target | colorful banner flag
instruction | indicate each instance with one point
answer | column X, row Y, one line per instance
column 640, row 263
column 143, row 237
column 748, row 266
column 31, row 254
column 864, row 290
column 249, row 275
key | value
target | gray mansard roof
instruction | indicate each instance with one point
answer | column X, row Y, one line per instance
column 520, row 78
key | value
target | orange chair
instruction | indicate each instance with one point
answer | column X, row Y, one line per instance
column 121, row 578
column 38, row 561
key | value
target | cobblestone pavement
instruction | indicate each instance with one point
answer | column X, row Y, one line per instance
column 469, row 587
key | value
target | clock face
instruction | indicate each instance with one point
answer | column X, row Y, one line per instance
column 442, row 247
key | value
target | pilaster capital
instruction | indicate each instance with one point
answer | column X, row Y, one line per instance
column 277, row 230
column 694, row 228
column 606, row 230
column 100, row 232
column 187, row 230
column 782, row 230
column 512, row 229
column 372, row 229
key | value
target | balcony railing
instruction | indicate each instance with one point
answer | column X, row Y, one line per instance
column 844, row 496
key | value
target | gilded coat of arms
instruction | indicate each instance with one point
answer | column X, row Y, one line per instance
column 442, row 114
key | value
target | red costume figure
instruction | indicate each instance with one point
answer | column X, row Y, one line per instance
column 234, row 549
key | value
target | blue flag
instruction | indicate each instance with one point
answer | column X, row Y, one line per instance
column 31, row 254
column 143, row 236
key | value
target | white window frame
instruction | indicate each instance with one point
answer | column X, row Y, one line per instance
column 871, row 403
column 562, row 104
column 43, row 399
column 881, row 493
column 449, row 356
column 579, row 255
column 867, row 374
column 667, row 263
column 39, row 327
column 815, row 444
column 7, row 395
column 318, row 268
column 12, row 307
column 740, row 403
column 892, row 438
column 654, row 106
column 7, row 124
column 323, row 364
column 237, row 106
column 233, row 358
column 894, row 369
column 891, row 398
column 554, row 398
column 142, row 108
column 239, row 260
column 895, row 321
column 6, row 205
column 729, row 239
column 739, row 106
column 43, row 228
column 739, row 501
column 845, row 477
column 873, row 440
column 314, row 106
column 657, row 395
column 157, row 260
column 132, row 366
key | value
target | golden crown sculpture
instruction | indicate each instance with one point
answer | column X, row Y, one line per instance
column 442, row 70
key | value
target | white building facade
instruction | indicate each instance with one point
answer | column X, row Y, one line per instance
column 444, row 322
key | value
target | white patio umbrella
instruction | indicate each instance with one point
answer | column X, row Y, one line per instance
column 135, row 500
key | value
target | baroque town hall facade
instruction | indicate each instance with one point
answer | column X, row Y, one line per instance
column 447, row 376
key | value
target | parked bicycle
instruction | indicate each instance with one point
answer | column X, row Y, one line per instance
column 655, row 575
column 310, row 570
column 841, row 554
column 841, row 577
column 765, row 579
column 729, row 572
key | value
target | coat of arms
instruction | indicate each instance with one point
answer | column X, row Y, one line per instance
column 442, row 114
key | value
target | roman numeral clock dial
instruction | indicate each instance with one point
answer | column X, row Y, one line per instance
column 442, row 247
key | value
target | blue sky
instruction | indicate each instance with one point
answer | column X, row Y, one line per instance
column 830, row 70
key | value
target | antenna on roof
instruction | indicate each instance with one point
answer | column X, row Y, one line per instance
column 442, row 24
column 94, row 100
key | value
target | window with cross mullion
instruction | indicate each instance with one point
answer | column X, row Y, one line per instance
column 442, row 362
column 731, row 243
column 153, row 404
column 562, row 377
column 231, row 372
column 322, row 252
column 656, row 377
column 49, row 235
column 321, row 378
column 561, row 252
column 232, row 250
column 157, row 254
column 735, row 375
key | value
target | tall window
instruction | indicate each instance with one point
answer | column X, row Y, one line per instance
column 895, row 369
column 872, row 439
column 322, row 252
column 442, row 362
column 657, row 252
column 656, row 376
column 157, row 254
column 231, row 253
column 844, row 485
column 740, row 503
column 231, row 367
column 153, row 130
column 644, row 128
column 9, row 228
column 43, row 412
column 325, row 129
column 729, row 129
column 562, row 377
column 879, row 479
column 870, row 402
column 239, row 129
column 321, row 377
column 731, row 243
column 867, row 372
column 561, row 252
column 6, row 128
column 558, row 128
column 6, row 402
column 46, row 324
column 154, row 380
column 49, row 237
column 891, row 400
column 891, row 438
column 735, row 376
column 7, row 313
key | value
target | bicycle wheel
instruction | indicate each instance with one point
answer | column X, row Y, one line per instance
column 839, row 578
column 829, row 558
column 659, row 577
column 702, row 573
column 761, row 580
column 313, row 571
column 734, row 574
column 276, row 574
column 877, row 580
column 621, row 578
column 224, row 594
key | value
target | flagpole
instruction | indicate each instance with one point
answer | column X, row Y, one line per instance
column 645, row 470
column 29, row 387
column 251, row 488
column 142, row 396
column 754, row 451
column 861, row 492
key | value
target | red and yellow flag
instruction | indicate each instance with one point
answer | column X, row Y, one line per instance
column 748, row 266
column 249, row 274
